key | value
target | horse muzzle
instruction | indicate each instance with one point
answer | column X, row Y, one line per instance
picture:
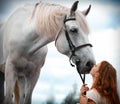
column 84, row 68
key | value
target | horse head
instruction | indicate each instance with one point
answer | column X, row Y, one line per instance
column 72, row 40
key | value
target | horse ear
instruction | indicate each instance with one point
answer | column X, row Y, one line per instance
column 85, row 12
column 74, row 8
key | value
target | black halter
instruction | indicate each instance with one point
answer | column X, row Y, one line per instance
column 73, row 48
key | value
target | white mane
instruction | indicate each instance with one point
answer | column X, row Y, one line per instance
column 50, row 17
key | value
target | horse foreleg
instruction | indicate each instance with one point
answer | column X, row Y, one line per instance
column 28, row 92
column 10, row 79
column 32, row 78
column 30, row 84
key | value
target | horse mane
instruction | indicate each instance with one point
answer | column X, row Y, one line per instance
column 49, row 18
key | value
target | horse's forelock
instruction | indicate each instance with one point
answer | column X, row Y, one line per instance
column 83, row 23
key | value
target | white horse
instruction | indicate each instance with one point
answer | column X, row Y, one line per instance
column 23, row 44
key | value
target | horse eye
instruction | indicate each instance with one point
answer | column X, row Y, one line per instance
column 74, row 30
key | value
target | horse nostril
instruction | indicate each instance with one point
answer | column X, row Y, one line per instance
column 90, row 64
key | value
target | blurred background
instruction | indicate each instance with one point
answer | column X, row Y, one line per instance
column 59, row 83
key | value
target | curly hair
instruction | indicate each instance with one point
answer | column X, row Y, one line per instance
column 106, row 83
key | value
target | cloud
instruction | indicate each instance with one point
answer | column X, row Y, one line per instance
column 105, row 41
column 102, row 17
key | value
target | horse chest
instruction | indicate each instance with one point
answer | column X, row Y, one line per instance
column 26, row 65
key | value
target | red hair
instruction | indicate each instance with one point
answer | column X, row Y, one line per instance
column 106, row 83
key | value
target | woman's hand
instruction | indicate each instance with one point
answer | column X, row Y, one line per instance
column 83, row 97
column 84, row 89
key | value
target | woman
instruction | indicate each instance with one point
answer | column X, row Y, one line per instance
column 104, row 88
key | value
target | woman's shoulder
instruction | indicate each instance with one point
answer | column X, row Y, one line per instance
column 93, row 93
column 95, row 96
column 93, row 90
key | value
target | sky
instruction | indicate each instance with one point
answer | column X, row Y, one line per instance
column 57, row 76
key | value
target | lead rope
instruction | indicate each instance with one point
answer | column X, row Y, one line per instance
column 82, row 78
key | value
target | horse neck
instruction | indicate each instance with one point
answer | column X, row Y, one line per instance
column 49, row 19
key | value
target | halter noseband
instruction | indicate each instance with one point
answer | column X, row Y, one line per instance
column 73, row 48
